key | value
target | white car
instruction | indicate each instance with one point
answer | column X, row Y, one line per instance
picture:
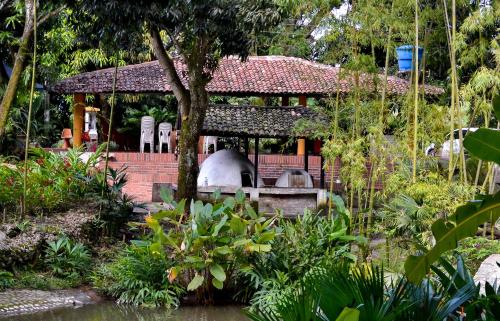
column 444, row 153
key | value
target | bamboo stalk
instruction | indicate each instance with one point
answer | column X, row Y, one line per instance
column 487, row 178
column 30, row 109
column 424, row 60
column 462, row 167
column 415, row 111
column 451, row 47
column 351, row 202
column 330, row 202
column 387, row 250
column 335, row 128
column 478, row 171
column 110, row 126
column 386, row 71
column 361, row 216
column 373, row 179
column 480, row 162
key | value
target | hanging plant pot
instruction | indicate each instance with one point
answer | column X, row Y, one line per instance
column 405, row 57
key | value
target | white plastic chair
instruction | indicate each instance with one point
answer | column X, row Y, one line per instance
column 164, row 132
column 147, row 133
column 209, row 140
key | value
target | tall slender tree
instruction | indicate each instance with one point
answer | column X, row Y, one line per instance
column 19, row 64
column 48, row 10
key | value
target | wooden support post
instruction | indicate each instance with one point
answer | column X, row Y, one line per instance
column 285, row 101
column 246, row 146
column 78, row 118
column 301, row 143
column 256, row 163
column 303, row 101
column 306, row 157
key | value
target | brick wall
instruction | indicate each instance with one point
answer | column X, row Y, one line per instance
column 145, row 169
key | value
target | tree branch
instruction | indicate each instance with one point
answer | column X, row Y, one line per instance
column 167, row 64
column 50, row 15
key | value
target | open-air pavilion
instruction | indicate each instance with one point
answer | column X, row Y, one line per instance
column 261, row 76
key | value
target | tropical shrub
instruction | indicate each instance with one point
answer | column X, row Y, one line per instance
column 54, row 180
column 432, row 192
column 41, row 280
column 212, row 243
column 138, row 276
column 483, row 144
column 310, row 240
column 407, row 221
column 6, row 279
column 475, row 250
column 66, row 258
column 115, row 207
column 338, row 292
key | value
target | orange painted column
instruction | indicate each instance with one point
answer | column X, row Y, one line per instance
column 78, row 118
column 301, row 143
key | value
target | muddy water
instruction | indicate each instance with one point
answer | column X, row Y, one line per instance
column 108, row 311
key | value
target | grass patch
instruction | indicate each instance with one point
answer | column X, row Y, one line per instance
column 44, row 281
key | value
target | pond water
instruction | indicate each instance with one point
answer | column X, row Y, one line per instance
column 109, row 311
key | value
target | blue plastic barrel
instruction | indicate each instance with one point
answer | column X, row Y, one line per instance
column 405, row 57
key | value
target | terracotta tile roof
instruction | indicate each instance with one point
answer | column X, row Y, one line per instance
column 259, row 76
column 250, row 121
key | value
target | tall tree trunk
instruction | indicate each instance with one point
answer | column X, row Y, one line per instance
column 192, row 104
column 188, row 146
column 19, row 64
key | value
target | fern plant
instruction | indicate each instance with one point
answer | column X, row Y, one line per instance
column 138, row 277
column 67, row 259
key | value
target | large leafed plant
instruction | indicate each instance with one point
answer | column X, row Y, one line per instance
column 211, row 243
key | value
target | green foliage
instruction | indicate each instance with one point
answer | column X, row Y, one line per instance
column 339, row 292
column 464, row 222
column 484, row 144
column 447, row 233
column 212, row 243
column 225, row 31
column 54, row 180
column 406, row 220
column 433, row 192
column 115, row 207
column 311, row 240
column 6, row 279
column 162, row 109
column 138, row 276
column 59, row 181
column 67, row 258
column 37, row 280
column 308, row 241
column 475, row 250
column 43, row 133
column 326, row 292
column 411, row 208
